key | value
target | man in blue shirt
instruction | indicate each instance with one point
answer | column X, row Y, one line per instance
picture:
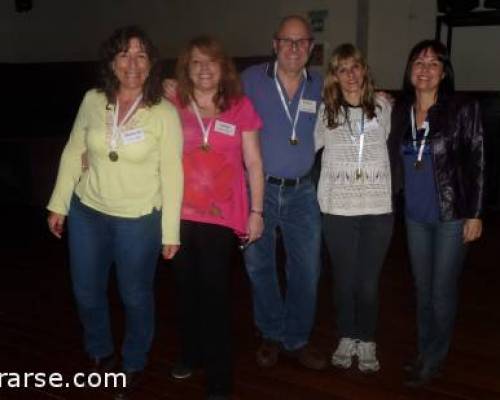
column 287, row 97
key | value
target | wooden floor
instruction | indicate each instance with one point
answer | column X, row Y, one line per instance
column 40, row 332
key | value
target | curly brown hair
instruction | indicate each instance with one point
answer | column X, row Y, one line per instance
column 118, row 42
column 230, row 88
column 332, row 94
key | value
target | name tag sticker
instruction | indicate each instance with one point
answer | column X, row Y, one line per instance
column 224, row 128
column 132, row 136
column 308, row 106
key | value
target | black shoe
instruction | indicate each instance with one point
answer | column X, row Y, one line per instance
column 181, row 371
column 410, row 367
column 101, row 365
column 133, row 381
column 309, row 357
column 420, row 377
column 268, row 353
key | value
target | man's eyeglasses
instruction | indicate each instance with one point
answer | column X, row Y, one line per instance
column 288, row 43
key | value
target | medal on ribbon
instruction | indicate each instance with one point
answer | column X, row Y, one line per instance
column 361, row 135
column 419, row 164
column 205, row 130
column 293, row 122
column 113, row 142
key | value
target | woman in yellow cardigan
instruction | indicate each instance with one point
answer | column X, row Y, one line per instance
column 124, row 208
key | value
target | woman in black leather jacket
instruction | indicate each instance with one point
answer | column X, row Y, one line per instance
column 436, row 149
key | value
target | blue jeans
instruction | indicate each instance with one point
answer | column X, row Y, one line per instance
column 295, row 211
column 96, row 240
column 437, row 252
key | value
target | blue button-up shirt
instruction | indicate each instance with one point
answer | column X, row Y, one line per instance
column 280, row 158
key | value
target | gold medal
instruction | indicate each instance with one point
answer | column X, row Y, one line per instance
column 294, row 141
column 116, row 128
column 419, row 164
column 205, row 147
column 359, row 174
column 113, row 155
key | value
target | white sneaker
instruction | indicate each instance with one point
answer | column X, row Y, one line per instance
column 342, row 357
column 367, row 357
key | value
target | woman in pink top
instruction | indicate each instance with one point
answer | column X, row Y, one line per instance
column 220, row 141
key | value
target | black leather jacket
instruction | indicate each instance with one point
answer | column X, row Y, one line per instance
column 456, row 140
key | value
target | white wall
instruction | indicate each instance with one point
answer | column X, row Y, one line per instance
column 67, row 30
column 397, row 25
column 247, row 27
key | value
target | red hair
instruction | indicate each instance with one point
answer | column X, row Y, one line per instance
column 229, row 89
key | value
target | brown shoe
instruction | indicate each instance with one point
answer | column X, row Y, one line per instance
column 310, row 357
column 133, row 381
column 101, row 365
column 267, row 354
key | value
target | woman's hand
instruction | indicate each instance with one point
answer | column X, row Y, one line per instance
column 473, row 228
column 169, row 88
column 253, row 163
column 255, row 226
column 56, row 224
column 386, row 96
column 168, row 251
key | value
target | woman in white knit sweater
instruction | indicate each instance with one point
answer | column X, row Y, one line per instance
column 354, row 194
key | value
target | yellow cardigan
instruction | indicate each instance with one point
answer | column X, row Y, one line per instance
column 148, row 174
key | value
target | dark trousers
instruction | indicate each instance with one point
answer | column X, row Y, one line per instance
column 202, row 275
column 357, row 246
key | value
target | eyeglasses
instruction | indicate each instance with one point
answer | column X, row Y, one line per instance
column 289, row 43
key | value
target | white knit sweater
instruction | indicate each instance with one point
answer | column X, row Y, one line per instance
column 339, row 191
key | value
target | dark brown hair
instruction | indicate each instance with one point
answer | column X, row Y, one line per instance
column 118, row 42
column 447, row 84
column 229, row 86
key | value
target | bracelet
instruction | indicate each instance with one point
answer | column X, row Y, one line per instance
column 258, row 212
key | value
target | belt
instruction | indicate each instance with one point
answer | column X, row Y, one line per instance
column 287, row 181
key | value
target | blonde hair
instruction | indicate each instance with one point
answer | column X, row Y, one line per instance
column 332, row 93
